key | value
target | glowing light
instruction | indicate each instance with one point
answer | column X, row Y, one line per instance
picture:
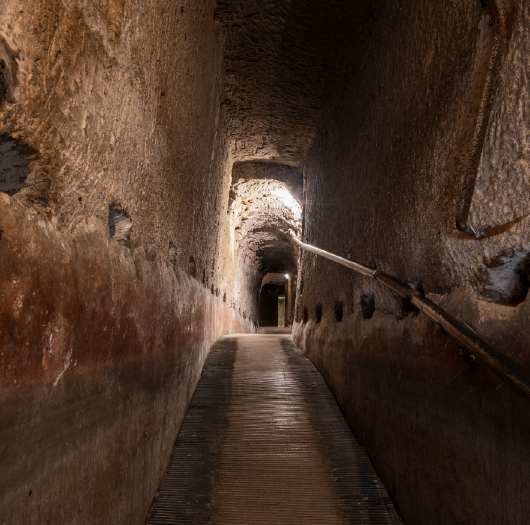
column 285, row 196
column 288, row 201
column 287, row 276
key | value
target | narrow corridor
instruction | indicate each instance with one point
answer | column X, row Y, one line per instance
column 177, row 175
column 264, row 442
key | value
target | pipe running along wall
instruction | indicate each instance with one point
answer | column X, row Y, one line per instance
column 505, row 366
column 483, row 118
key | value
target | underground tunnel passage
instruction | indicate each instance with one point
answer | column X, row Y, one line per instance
column 276, row 300
column 264, row 262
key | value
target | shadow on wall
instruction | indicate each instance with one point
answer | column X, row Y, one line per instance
column 15, row 160
column 8, row 71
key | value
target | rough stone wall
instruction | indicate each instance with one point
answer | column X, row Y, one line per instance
column 101, row 349
column 123, row 102
column 292, row 177
column 111, row 253
column 383, row 180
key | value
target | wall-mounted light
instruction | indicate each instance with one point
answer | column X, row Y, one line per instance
column 287, row 276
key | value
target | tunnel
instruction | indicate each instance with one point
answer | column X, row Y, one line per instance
column 264, row 262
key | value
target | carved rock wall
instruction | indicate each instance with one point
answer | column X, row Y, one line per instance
column 383, row 180
column 101, row 349
column 114, row 154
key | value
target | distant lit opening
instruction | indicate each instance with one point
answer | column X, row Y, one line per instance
column 269, row 299
column 288, row 201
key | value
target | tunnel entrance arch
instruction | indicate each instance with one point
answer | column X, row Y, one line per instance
column 264, row 208
column 277, row 300
column 270, row 297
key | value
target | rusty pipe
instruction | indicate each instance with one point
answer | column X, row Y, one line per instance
column 481, row 127
column 501, row 363
column 360, row 268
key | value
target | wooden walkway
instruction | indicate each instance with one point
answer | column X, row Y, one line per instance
column 264, row 442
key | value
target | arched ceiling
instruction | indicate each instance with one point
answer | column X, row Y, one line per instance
column 263, row 212
column 291, row 177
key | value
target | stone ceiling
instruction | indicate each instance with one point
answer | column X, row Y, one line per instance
column 281, row 59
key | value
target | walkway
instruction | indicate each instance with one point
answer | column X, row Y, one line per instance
column 264, row 442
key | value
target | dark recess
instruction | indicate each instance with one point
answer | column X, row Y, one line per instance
column 520, row 291
column 120, row 225
column 367, row 305
column 318, row 313
column 305, row 315
column 268, row 304
column 15, row 158
column 192, row 267
column 506, row 282
column 3, row 83
column 338, row 311
column 417, row 285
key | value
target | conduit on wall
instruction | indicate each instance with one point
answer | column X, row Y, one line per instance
column 479, row 135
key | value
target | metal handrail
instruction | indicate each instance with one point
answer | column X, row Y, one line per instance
column 505, row 366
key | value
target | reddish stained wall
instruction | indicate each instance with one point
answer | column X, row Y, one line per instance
column 101, row 350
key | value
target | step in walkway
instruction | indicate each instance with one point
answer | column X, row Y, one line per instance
column 264, row 442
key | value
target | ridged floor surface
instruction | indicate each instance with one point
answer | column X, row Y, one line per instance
column 264, row 442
